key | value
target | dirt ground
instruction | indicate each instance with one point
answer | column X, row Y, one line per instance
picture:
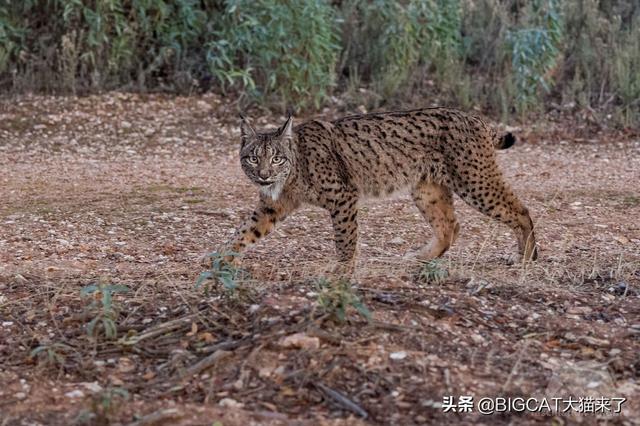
column 131, row 190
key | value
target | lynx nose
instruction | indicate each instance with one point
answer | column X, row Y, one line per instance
column 263, row 174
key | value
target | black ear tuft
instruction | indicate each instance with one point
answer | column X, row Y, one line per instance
column 286, row 131
column 290, row 111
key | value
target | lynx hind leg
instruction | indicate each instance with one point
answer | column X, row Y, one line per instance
column 493, row 197
column 435, row 202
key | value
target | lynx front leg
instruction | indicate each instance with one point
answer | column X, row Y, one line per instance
column 261, row 223
column 345, row 226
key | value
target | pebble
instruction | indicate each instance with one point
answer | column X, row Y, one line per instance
column 300, row 340
column 398, row 355
column 231, row 403
column 75, row 394
column 397, row 241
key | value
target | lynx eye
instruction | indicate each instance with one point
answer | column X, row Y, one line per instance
column 252, row 159
column 277, row 159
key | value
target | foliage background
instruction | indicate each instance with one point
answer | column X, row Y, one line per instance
column 509, row 58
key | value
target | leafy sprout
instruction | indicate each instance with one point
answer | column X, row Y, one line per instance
column 335, row 298
column 222, row 270
column 102, row 308
column 432, row 272
column 104, row 406
column 51, row 353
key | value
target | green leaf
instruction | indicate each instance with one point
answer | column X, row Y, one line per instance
column 117, row 288
column 203, row 277
column 88, row 290
column 37, row 350
column 92, row 325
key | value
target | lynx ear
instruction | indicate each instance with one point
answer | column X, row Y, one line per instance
column 286, row 131
column 246, row 130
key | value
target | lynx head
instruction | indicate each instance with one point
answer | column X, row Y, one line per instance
column 267, row 157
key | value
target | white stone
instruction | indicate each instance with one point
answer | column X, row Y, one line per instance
column 398, row 355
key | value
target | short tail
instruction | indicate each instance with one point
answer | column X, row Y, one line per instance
column 505, row 141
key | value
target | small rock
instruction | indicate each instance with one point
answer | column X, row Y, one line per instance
column 300, row 340
column 398, row 355
column 619, row 289
column 116, row 381
column 125, row 365
column 231, row 403
column 477, row 338
column 592, row 341
column 21, row 395
column 578, row 310
column 622, row 239
column 397, row 241
column 92, row 387
column 75, row 394
column 265, row 372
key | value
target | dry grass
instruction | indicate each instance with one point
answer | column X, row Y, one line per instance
column 137, row 204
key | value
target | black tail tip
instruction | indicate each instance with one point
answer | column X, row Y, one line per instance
column 507, row 141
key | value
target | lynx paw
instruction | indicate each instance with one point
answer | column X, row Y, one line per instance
column 342, row 270
column 518, row 259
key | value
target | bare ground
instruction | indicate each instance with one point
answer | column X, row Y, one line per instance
column 132, row 190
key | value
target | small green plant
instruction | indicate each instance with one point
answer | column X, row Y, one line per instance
column 222, row 270
column 102, row 309
column 432, row 272
column 335, row 297
column 51, row 354
column 103, row 407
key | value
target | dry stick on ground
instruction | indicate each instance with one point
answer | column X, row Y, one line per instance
column 196, row 312
column 158, row 330
column 205, row 363
column 222, row 346
column 513, row 371
column 342, row 400
column 157, row 417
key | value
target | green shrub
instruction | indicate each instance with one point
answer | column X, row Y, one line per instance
column 534, row 52
column 503, row 56
column 385, row 42
column 626, row 74
column 104, row 44
column 278, row 50
column 601, row 56
column 101, row 308
column 336, row 297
